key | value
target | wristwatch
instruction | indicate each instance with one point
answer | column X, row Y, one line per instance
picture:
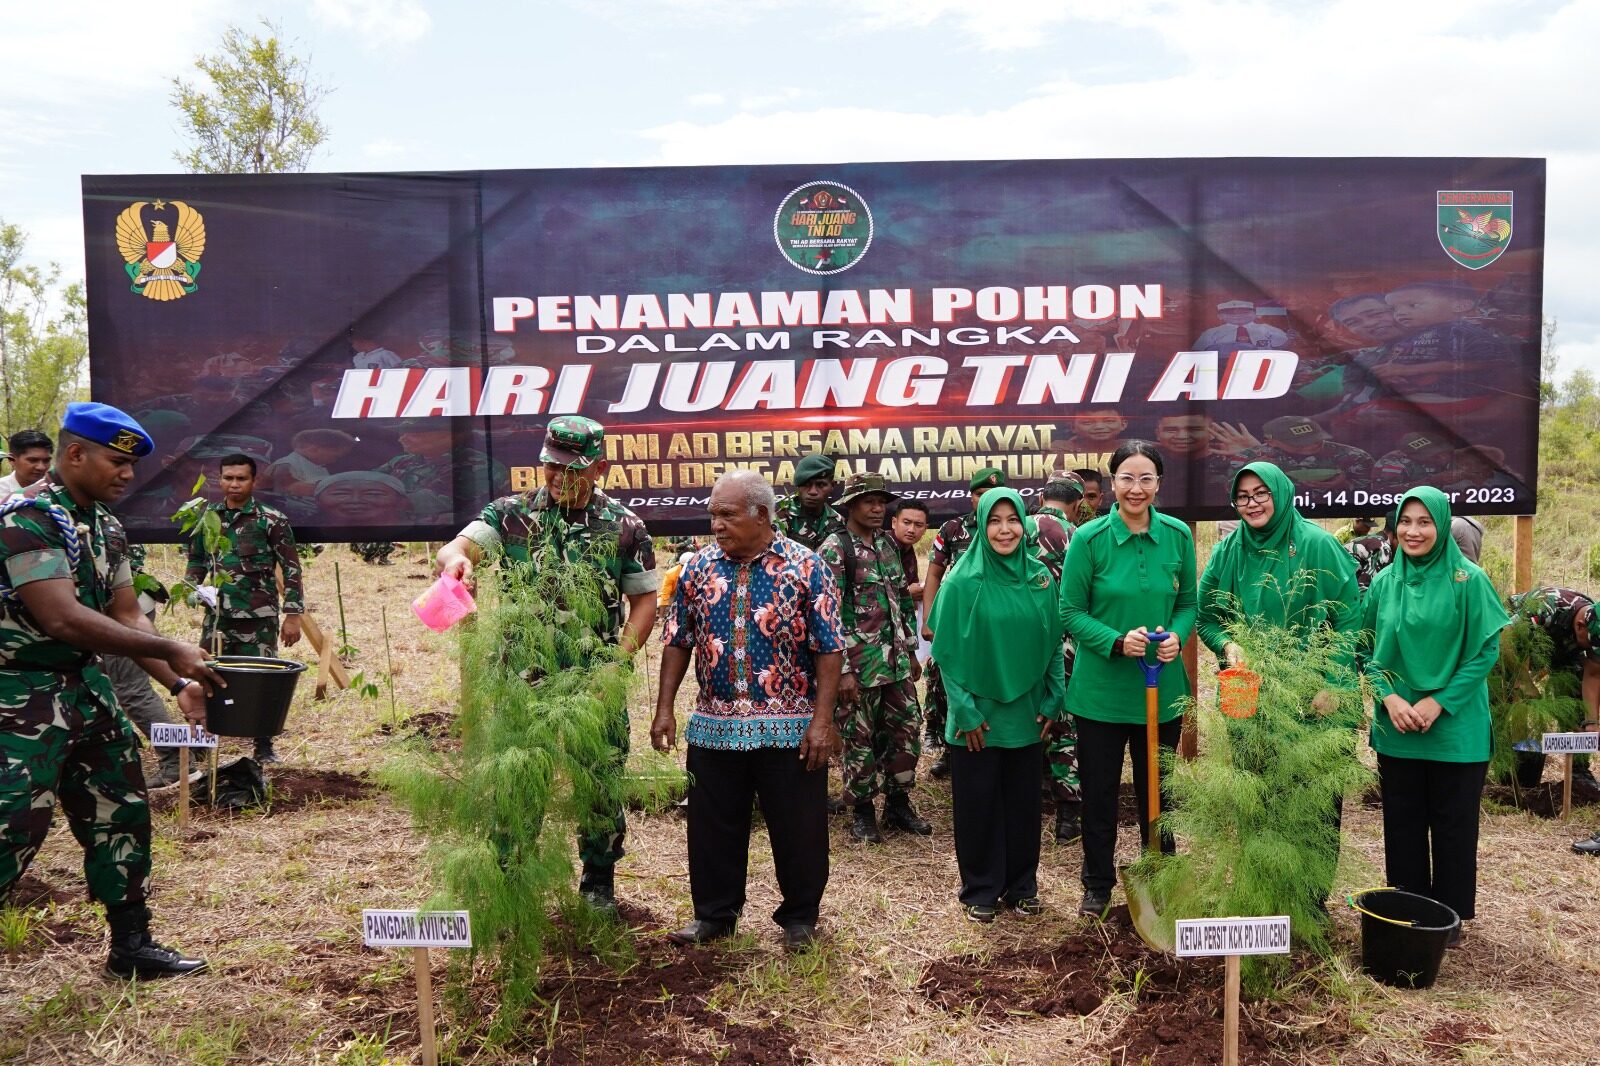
column 179, row 685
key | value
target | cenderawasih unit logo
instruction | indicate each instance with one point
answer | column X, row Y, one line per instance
column 823, row 227
column 163, row 258
column 1474, row 226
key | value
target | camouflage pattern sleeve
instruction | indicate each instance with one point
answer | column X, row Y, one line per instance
column 488, row 530
column 940, row 554
column 195, row 572
column 636, row 557
column 281, row 535
column 831, row 551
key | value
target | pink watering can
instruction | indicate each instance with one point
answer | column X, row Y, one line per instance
column 443, row 604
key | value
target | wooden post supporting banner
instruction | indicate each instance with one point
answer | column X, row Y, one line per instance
column 1189, row 740
column 430, row 1050
column 1566, row 788
column 1522, row 549
column 1230, row 1013
column 183, row 788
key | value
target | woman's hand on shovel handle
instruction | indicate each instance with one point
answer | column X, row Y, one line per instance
column 1168, row 649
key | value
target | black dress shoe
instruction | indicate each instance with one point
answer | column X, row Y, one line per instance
column 798, row 937
column 698, row 932
column 136, row 955
column 1069, row 828
column 1588, row 847
column 864, row 824
column 1096, row 901
column 899, row 814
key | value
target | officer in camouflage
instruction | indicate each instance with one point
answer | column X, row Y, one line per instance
column 376, row 552
column 877, row 709
column 245, row 617
column 1314, row 461
column 805, row 516
column 1057, row 502
column 949, row 544
column 571, row 518
column 68, row 594
column 1372, row 551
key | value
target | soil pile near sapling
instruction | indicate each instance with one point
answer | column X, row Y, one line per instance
column 289, row 789
column 1178, row 1004
column 429, row 725
column 1544, row 799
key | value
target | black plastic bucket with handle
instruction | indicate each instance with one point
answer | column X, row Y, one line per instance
column 256, row 701
column 1403, row 936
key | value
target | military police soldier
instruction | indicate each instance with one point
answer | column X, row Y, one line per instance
column 245, row 617
column 570, row 517
column 70, row 595
column 805, row 516
column 878, row 713
column 1312, row 459
column 949, row 544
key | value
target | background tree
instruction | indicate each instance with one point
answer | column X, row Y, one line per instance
column 43, row 342
column 258, row 115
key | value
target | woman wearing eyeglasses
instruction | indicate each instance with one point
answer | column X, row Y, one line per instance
column 1128, row 577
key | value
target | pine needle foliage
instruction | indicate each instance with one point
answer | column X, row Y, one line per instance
column 1255, row 810
column 1526, row 697
column 543, row 712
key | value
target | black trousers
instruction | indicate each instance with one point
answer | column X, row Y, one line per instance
column 1430, row 828
column 794, row 804
column 994, row 796
column 1100, row 751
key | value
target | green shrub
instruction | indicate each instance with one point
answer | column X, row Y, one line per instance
column 1526, row 698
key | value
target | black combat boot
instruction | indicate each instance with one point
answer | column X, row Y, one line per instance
column 899, row 814
column 864, row 826
column 264, row 753
column 597, row 886
column 1069, row 827
column 135, row 955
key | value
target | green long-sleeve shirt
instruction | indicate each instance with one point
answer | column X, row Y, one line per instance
column 1011, row 725
column 1115, row 581
column 1461, row 733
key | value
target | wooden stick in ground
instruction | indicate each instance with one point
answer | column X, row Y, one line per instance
column 1566, row 787
column 1230, row 1013
column 183, row 788
column 430, row 1052
column 214, row 777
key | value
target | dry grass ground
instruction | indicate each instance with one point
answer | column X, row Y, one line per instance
column 273, row 900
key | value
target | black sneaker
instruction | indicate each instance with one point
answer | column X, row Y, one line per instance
column 1069, row 828
column 864, row 825
column 977, row 912
column 1588, row 847
column 899, row 814
column 697, row 933
column 1095, row 903
column 1027, row 906
column 137, row 956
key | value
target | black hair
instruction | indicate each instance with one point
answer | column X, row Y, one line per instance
column 1089, row 475
column 26, row 439
column 1066, row 494
column 911, row 505
column 1339, row 306
column 1130, row 448
column 238, row 459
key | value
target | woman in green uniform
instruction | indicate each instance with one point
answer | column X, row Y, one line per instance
column 997, row 637
column 1435, row 622
column 1128, row 576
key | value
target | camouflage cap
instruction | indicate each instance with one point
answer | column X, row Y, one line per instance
column 1068, row 486
column 814, row 466
column 1296, row 429
column 861, row 485
column 989, row 477
column 572, row 441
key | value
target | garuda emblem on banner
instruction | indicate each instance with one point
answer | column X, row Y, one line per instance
column 163, row 261
column 1474, row 225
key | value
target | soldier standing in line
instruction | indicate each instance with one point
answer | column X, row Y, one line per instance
column 951, row 542
column 244, row 619
column 69, row 594
column 1371, row 551
column 1057, row 502
column 570, row 517
column 1569, row 618
column 878, row 713
column 805, row 515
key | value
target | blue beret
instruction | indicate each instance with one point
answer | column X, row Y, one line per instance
column 106, row 425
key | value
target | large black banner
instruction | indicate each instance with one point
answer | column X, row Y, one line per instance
column 390, row 346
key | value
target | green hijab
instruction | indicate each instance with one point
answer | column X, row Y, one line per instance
column 1288, row 572
column 995, row 631
column 1435, row 612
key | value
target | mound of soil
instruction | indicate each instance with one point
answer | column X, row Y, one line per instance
column 430, row 725
column 29, row 891
column 291, row 790
column 1544, row 799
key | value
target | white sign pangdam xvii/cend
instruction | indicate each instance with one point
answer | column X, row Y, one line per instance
column 416, row 929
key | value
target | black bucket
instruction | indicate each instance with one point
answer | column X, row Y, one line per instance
column 1408, row 954
column 256, row 701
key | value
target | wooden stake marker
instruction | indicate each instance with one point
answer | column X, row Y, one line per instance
column 419, row 931
column 1231, row 938
column 1568, row 744
column 182, row 737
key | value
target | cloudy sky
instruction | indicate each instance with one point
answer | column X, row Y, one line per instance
column 424, row 84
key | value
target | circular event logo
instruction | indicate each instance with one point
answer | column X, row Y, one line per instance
column 823, row 227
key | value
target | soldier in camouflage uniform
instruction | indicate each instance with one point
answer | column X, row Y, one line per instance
column 1421, row 459
column 1060, row 499
column 1569, row 619
column 877, row 709
column 376, row 552
column 1314, row 462
column 949, row 544
column 245, row 617
column 805, row 516
column 571, row 518
column 69, row 595
column 1372, row 553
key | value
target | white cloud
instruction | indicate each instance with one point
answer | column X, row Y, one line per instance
column 707, row 99
column 386, row 148
column 376, row 22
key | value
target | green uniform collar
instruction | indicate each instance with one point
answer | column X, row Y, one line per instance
column 1120, row 530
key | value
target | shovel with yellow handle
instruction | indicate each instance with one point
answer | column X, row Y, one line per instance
column 1147, row 922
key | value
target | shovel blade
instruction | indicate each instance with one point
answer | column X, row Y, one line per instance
column 1156, row 934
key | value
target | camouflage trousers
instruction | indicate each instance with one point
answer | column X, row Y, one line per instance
column 374, row 551
column 935, row 707
column 600, row 833
column 242, row 636
column 1061, row 755
column 62, row 737
column 881, row 741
